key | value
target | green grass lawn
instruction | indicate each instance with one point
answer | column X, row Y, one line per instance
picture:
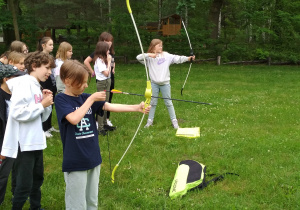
column 252, row 129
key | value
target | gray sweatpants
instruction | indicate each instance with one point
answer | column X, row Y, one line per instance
column 82, row 189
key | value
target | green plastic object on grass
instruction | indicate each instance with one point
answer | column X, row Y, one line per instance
column 189, row 174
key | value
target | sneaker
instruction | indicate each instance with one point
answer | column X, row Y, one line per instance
column 48, row 134
column 175, row 124
column 149, row 123
column 109, row 128
column 53, row 129
column 109, row 123
column 102, row 132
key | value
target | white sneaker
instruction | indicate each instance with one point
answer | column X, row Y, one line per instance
column 175, row 124
column 48, row 134
column 53, row 129
column 109, row 123
column 149, row 123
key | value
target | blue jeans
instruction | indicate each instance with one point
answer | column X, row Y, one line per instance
column 166, row 93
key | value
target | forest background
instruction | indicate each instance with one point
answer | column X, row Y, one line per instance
column 235, row 30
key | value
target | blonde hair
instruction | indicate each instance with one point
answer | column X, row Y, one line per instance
column 15, row 57
column 153, row 43
column 75, row 71
column 63, row 48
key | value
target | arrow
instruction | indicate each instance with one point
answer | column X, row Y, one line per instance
column 173, row 99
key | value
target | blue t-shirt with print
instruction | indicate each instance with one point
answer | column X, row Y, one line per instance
column 81, row 149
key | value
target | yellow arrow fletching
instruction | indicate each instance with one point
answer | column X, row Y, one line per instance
column 113, row 173
column 128, row 6
column 115, row 91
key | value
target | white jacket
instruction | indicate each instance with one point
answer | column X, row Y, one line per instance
column 24, row 124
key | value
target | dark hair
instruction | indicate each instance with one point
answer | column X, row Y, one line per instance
column 17, row 46
column 75, row 71
column 101, row 51
column 42, row 41
column 37, row 59
column 5, row 54
column 105, row 36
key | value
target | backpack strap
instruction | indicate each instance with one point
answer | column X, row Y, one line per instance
column 218, row 178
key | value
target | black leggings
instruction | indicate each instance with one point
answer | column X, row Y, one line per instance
column 112, row 86
column 50, row 86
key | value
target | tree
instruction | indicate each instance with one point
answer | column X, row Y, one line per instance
column 214, row 17
column 183, row 8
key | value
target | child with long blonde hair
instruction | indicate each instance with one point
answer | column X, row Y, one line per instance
column 64, row 52
column 158, row 62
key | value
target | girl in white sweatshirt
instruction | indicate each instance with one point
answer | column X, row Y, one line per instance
column 158, row 63
column 24, row 137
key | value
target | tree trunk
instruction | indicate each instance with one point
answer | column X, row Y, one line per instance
column 186, row 15
column 159, row 16
column 219, row 60
column 214, row 15
column 13, row 4
column 101, row 10
column 53, row 35
column 109, row 15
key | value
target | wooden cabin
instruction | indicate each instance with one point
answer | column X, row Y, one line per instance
column 170, row 25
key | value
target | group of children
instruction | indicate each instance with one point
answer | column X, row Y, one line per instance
column 28, row 101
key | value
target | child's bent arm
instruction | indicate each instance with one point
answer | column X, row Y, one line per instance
column 22, row 112
column 75, row 117
column 106, row 72
column 104, row 69
column 87, row 62
column 140, row 57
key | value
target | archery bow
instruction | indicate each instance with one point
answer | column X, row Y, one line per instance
column 191, row 53
column 173, row 99
column 148, row 92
